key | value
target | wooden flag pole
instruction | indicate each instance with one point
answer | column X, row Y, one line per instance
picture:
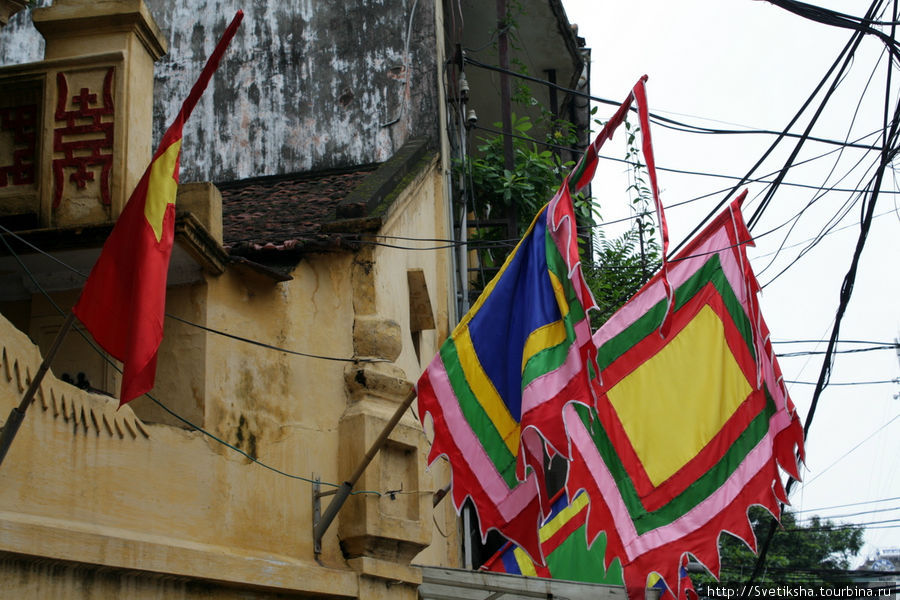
column 344, row 490
column 17, row 414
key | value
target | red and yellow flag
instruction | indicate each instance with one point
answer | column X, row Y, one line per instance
column 123, row 302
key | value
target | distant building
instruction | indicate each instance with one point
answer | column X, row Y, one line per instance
column 881, row 571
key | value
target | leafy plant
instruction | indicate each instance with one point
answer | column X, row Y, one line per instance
column 815, row 553
column 614, row 268
column 618, row 270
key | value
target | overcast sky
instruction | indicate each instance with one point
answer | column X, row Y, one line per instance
column 742, row 64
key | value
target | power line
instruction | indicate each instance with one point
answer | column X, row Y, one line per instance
column 837, row 341
column 857, row 514
column 837, row 19
column 187, row 422
column 878, row 501
column 175, row 317
column 851, row 450
column 677, row 171
column 844, row 382
column 848, row 351
column 657, row 118
column 820, row 193
column 849, row 279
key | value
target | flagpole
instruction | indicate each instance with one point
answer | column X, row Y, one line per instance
column 343, row 491
column 17, row 414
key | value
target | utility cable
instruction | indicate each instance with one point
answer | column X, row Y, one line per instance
column 657, row 118
column 187, row 422
column 853, row 42
column 837, row 19
column 851, row 450
column 845, row 64
column 847, row 288
column 878, row 501
column 72, row 269
column 844, row 383
column 742, row 180
column 858, row 513
column 849, row 351
column 820, row 193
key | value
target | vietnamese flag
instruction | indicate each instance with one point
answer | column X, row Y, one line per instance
column 123, row 302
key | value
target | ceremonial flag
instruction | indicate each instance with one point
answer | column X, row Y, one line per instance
column 496, row 388
column 123, row 301
column 686, row 589
column 563, row 540
column 689, row 429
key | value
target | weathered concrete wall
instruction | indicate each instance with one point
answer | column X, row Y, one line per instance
column 305, row 85
column 86, row 484
column 421, row 207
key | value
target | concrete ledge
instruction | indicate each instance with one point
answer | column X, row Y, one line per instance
column 386, row 570
column 108, row 547
column 373, row 194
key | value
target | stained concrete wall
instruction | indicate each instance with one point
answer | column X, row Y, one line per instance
column 85, row 483
column 304, row 86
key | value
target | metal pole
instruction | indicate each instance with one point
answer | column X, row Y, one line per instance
column 343, row 492
column 17, row 414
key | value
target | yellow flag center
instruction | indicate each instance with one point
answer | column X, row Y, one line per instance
column 161, row 188
column 670, row 424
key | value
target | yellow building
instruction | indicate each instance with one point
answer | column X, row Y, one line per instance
column 100, row 503
column 306, row 293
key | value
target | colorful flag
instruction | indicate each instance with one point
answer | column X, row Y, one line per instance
column 564, row 545
column 496, row 388
column 685, row 590
column 123, row 301
column 689, row 429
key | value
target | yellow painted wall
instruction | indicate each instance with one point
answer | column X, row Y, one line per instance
column 93, row 488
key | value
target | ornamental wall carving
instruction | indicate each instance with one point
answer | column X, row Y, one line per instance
column 83, row 137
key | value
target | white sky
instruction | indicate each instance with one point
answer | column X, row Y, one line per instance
column 748, row 63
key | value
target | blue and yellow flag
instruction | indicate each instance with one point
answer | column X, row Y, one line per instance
column 497, row 386
column 564, row 545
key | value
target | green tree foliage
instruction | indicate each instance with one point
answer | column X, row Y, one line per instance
column 618, row 270
column 614, row 268
column 816, row 552
column 622, row 265
column 535, row 177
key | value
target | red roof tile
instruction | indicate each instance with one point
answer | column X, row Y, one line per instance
column 283, row 212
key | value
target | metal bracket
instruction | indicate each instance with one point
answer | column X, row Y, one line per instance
column 316, row 512
column 321, row 522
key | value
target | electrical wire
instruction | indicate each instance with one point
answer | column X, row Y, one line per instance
column 844, row 383
column 849, row 279
column 848, row 452
column 848, row 48
column 837, row 19
column 849, row 351
column 180, row 319
column 744, row 180
column 838, row 341
column 878, row 501
column 857, row 514
column 152, row 398
column 657, row 118
column 820, row 193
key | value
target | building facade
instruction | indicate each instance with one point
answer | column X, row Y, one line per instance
column 310, row 284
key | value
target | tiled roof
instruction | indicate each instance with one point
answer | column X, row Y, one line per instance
column 284, row 212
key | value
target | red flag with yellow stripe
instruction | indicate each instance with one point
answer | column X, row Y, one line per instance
column 123, row 301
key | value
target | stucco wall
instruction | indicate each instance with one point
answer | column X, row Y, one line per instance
column 86, row 483
column 174, row 501
column 304, row 86
column 404, row 247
